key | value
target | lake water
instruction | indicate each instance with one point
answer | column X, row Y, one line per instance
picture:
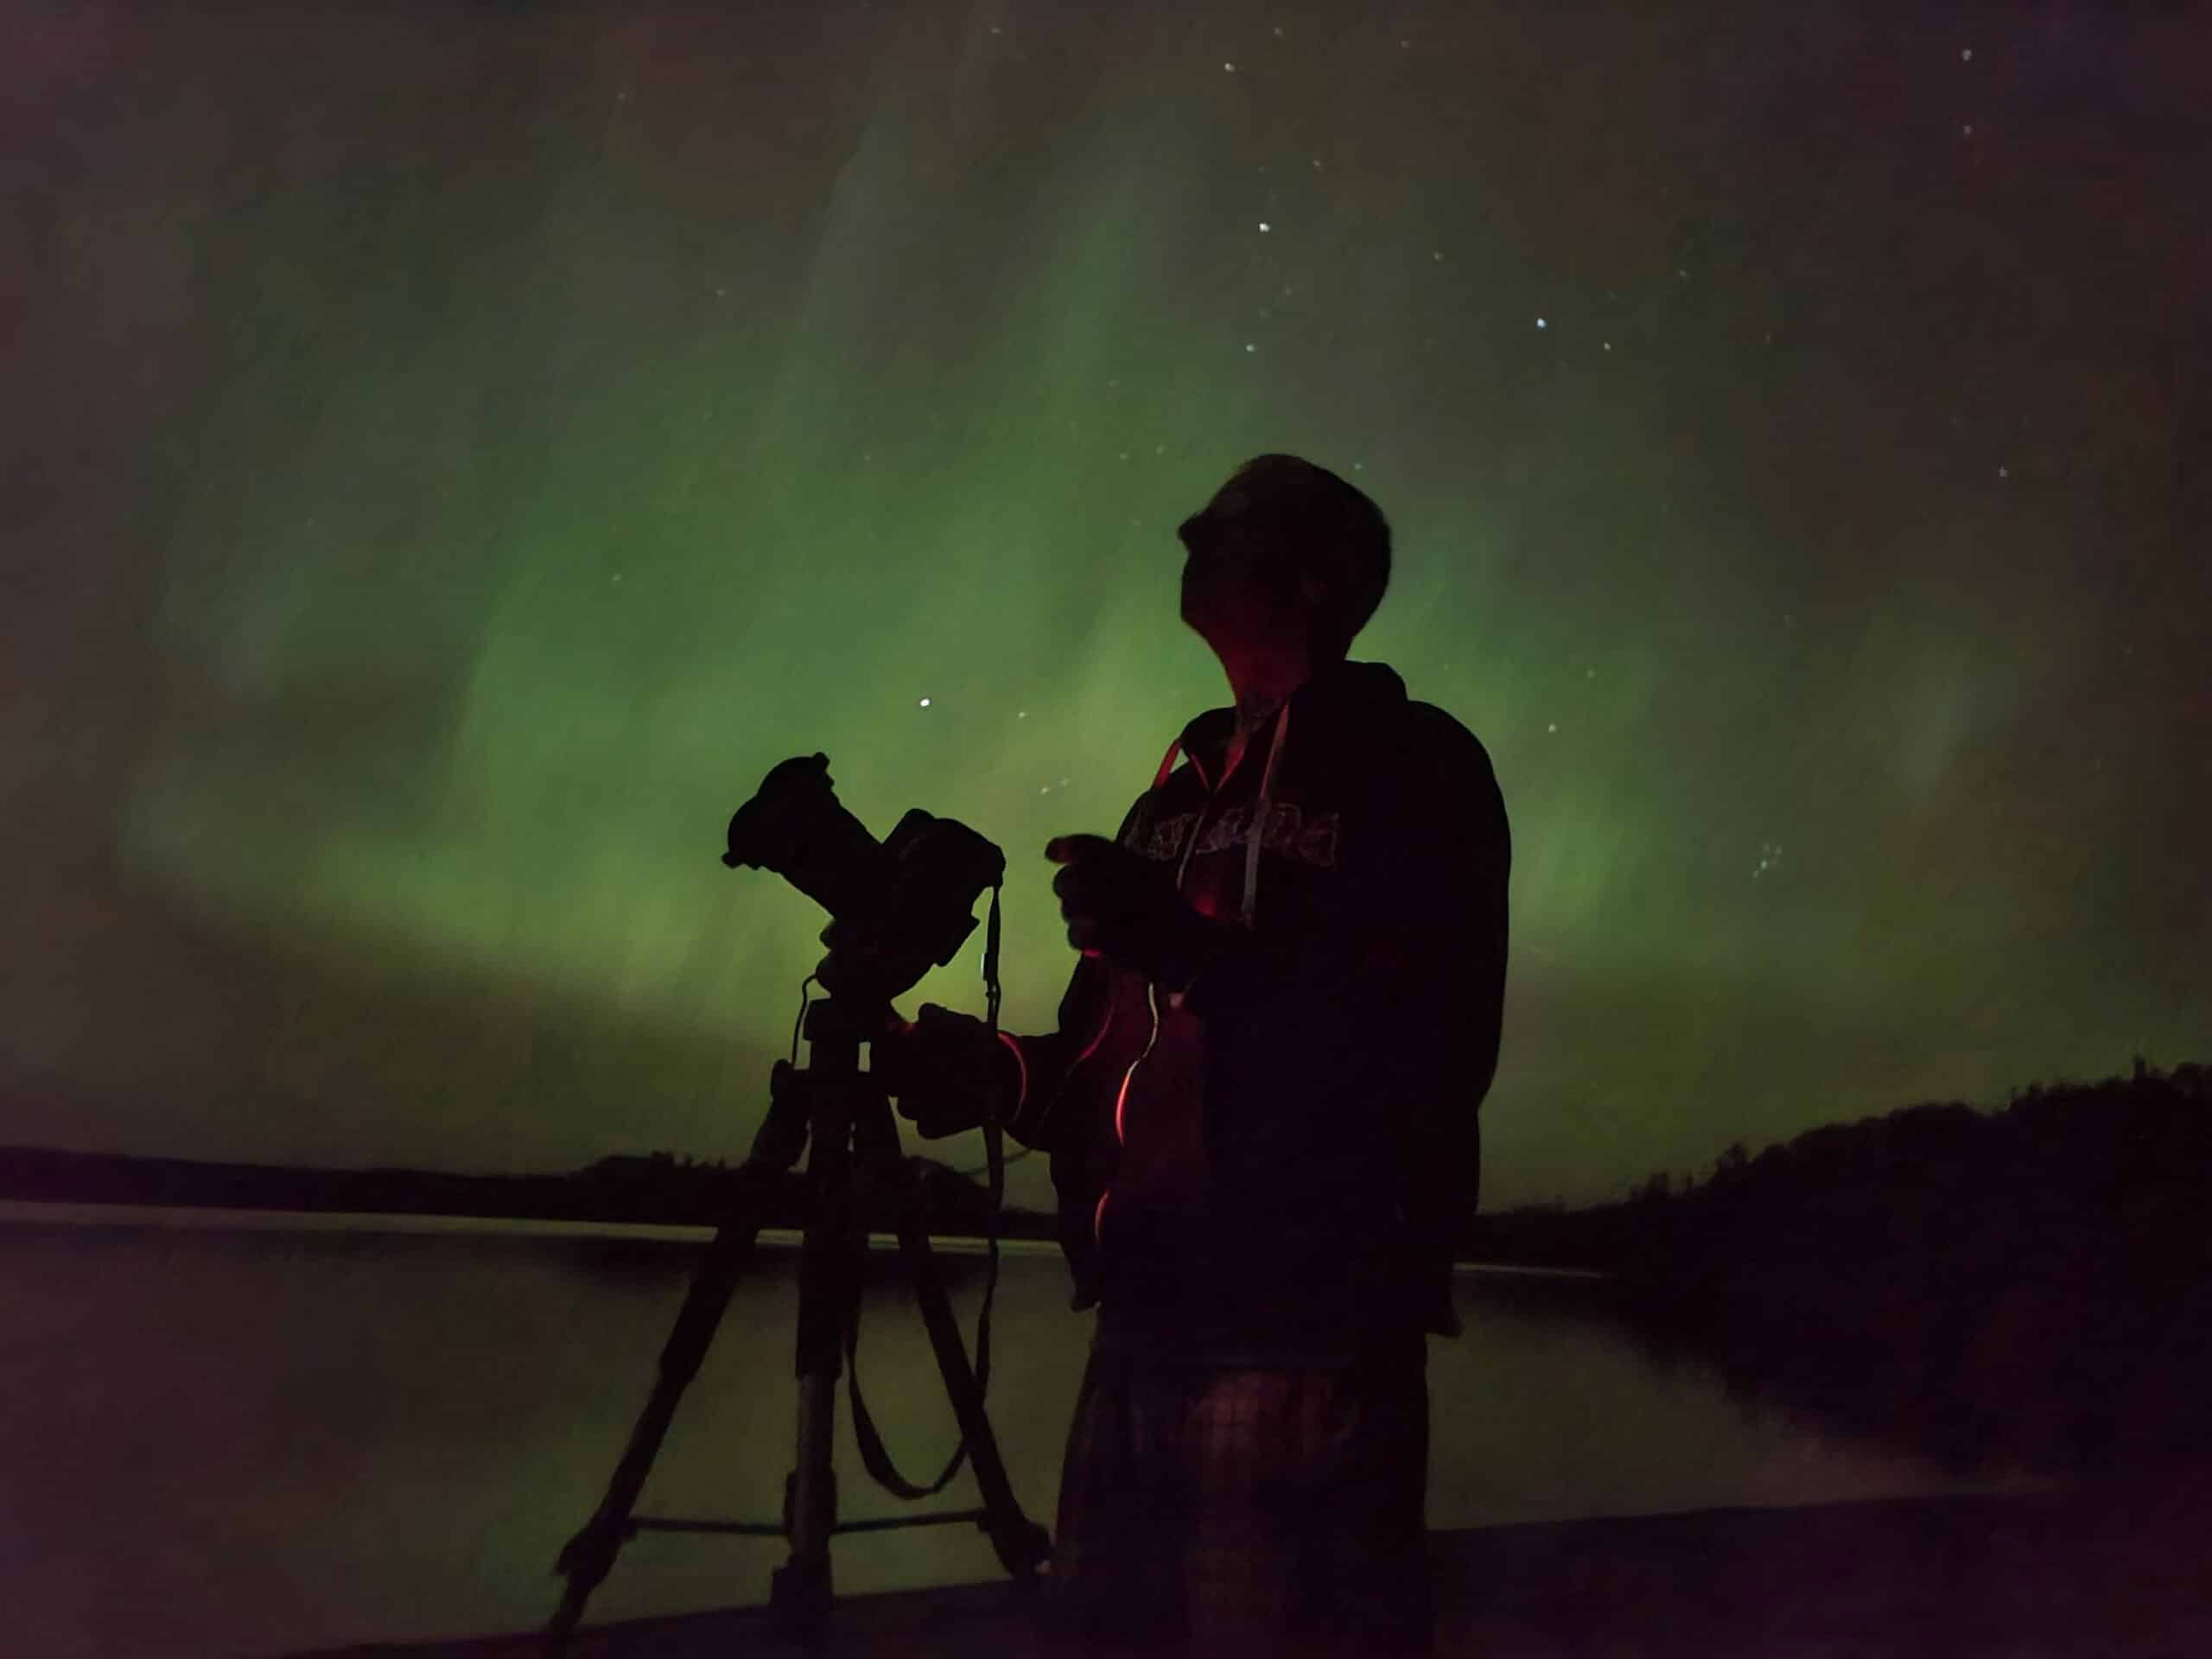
column 251, row 1434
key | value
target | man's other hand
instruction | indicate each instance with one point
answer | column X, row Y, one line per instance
column 1125, row 909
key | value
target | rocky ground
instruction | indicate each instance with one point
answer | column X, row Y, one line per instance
column 2099, row 1568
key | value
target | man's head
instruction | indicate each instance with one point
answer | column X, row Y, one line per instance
column 1286, row 553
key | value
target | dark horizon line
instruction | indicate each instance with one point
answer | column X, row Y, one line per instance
column 598, row 1174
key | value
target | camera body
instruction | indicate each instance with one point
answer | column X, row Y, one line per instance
column 897, row 908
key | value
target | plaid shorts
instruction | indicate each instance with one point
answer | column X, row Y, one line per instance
column 1234, row 1511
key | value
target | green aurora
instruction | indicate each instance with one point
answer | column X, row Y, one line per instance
column 461, row 449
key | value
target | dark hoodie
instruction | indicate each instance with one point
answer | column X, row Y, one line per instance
column 1272, row 1168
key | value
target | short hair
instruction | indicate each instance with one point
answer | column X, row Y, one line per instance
column 1335, row 532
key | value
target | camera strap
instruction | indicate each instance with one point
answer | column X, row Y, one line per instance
column 873, row 1454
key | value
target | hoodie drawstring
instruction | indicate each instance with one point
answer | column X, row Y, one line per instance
column 1261, row 814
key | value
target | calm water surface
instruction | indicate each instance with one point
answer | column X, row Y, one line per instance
column 251, row 1434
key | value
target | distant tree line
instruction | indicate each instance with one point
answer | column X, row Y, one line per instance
column 2125, row 1159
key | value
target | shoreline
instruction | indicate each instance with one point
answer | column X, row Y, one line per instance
column 199, row 1218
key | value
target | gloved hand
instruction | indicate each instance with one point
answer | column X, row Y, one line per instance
column 945, row 1069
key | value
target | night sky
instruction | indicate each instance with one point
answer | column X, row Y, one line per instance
column 455, row 451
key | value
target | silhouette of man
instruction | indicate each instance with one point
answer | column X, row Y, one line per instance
column 1261, row 1104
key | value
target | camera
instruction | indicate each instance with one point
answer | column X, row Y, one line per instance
column 897, row 907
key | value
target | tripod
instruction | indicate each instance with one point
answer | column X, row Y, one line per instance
column 854, row 1158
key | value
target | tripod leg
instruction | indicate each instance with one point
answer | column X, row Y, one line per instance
column 1023, row 1546
column 586, row 1559
column 800, row 1592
